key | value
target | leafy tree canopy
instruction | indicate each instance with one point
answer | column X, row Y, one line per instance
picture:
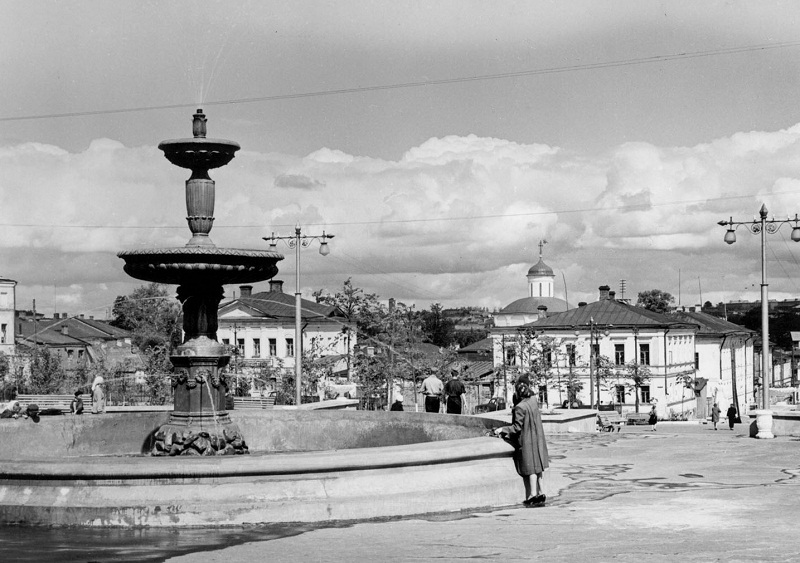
column 655, row 300
column 151, row 314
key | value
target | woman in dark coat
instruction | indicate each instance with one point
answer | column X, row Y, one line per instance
column 527, row 436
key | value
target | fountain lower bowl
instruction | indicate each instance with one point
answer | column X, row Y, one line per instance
column 307, row 467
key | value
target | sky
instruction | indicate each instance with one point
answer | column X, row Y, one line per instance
column 438, row 141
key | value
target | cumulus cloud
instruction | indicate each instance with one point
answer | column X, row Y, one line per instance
column 455, row 220
column 299, row 181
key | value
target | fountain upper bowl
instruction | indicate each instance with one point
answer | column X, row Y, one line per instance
column 200, row 265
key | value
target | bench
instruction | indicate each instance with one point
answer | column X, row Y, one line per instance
column 54, row 404
column 638, row 417
column 253, row 402
column 608, row 421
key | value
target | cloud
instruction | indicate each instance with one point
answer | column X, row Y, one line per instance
column 454, row 220
column 297, row 181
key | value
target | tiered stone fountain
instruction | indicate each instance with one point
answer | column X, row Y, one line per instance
column 199, row 424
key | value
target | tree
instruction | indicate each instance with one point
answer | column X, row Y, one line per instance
column 636, row 375
column 438, row 329
column 655, row 300
column 47, row 374
column 362, row 308
column 151, row 314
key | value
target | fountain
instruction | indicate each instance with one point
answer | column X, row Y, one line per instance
column 199, row 424
column 305, row 465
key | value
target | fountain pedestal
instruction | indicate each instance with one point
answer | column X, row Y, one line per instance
column 199, row 424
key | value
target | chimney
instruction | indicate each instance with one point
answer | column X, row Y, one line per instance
column 582, row 304
column 604, row 292
column 542, row 311
column 612, row 295
column 91, row 317
column 80, row 316
column 245, row 291
column 63, row 315
column 276, row 286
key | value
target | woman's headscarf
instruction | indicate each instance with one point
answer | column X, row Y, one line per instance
column 97, row 381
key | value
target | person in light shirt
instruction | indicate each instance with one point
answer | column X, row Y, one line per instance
column 432, row 388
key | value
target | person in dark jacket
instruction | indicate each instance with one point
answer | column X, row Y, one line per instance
column 715, row 411
column 653, row 418
column 731, row 414
column 453, row 392
column 398, row 403
column 526, row 434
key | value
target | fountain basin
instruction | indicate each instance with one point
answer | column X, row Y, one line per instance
column 201, row 265
column 418, row 463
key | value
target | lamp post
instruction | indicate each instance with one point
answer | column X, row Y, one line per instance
column 297, row 241
column 763, row 226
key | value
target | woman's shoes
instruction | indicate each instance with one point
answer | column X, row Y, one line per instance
column 538, row 500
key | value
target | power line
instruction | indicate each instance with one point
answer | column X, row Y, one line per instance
column 417, row 220
column 422, row 83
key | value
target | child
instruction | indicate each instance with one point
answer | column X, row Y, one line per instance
column 76, row 406
column 653, row 420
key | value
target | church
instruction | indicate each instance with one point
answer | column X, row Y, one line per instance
column 541, row 292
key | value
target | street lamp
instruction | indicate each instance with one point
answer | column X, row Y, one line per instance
column 297, row 241
column 763, row 226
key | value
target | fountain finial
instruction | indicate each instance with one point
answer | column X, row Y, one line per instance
column 199, row 124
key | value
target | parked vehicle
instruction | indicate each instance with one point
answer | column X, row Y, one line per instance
column 494, row 404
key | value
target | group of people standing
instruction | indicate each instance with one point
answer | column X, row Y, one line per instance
column 451, row 392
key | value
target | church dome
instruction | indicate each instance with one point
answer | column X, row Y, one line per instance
column 540, row 269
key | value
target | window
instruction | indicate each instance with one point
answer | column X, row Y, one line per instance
column 511, row 355
column 548, row 357
column 644, row 392
column 620, row 394
column 543, row 395
column 697, row 362
column 256, row 347
column 3, row 333
column 644, row 354
column 70, row 353
column 619, row 354
column 240, row 346
column 273, row 347
column 571, row 354
column 80, row 354
column 226, row 341
column 289, row 347
column 596, row 353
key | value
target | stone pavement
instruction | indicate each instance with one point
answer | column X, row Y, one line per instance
column 683, row 493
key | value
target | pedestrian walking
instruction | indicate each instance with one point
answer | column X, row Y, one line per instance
column 731, row 415
column 526, row 434
column 653, row 420
column 98, row 395
column 453, row 391
column 715, row 415
column 432, row 388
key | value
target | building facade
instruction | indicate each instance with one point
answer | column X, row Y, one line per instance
column 8, row 306
column 260, row 329
column 603, row 349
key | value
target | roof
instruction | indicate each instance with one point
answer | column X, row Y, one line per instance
column 540, row 269
column 530, row 305
column 711, row 325
column 479, row 346
column 79, row 331
column 277, row 304
column 608, row 312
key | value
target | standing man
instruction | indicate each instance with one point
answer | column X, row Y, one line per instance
column 453, row 391
column 432, row 388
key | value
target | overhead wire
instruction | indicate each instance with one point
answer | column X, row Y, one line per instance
column 424, row 83
column 623, row 207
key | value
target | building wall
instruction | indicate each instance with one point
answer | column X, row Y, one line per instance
column 671, row 356
column 7, row 308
